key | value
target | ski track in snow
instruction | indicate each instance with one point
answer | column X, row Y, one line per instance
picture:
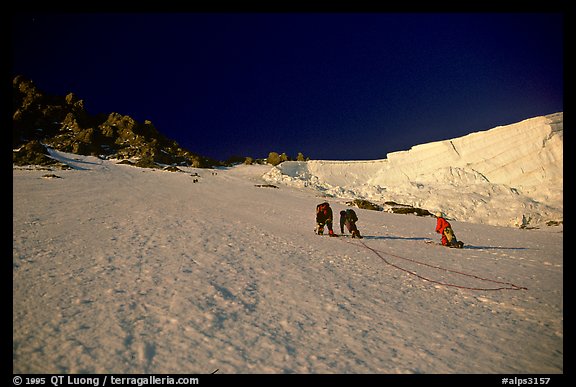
column 118, row 269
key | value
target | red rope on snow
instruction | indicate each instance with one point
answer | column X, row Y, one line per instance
column 509, row 285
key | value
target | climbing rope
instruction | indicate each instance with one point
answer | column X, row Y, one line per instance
column 379, row 253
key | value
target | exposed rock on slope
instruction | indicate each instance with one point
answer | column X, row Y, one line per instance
column 64, row 124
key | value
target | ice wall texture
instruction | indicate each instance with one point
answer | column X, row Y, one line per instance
column 512, row 172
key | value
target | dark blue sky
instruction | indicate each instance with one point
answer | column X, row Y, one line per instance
column 330, row 85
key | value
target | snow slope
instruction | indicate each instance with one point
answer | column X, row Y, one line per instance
column 118, row 269
column 508, row 176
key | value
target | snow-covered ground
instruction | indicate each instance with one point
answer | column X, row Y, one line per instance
column 118, row 269
column 507, row 176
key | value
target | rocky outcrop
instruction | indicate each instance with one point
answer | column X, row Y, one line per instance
column 63, row 123
column 32, row 153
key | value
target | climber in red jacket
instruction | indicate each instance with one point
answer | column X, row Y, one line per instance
column 444, row 228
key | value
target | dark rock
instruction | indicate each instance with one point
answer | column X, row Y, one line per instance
column 411, row 210
column 365, row 204
column 172, row 168
column 32, row 153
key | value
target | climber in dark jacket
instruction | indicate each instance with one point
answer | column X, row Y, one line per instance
column 348, row 218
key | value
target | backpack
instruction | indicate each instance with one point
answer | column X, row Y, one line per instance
column 350, row 214
column 320, row 211
column 449, row 234
column 452, row 241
